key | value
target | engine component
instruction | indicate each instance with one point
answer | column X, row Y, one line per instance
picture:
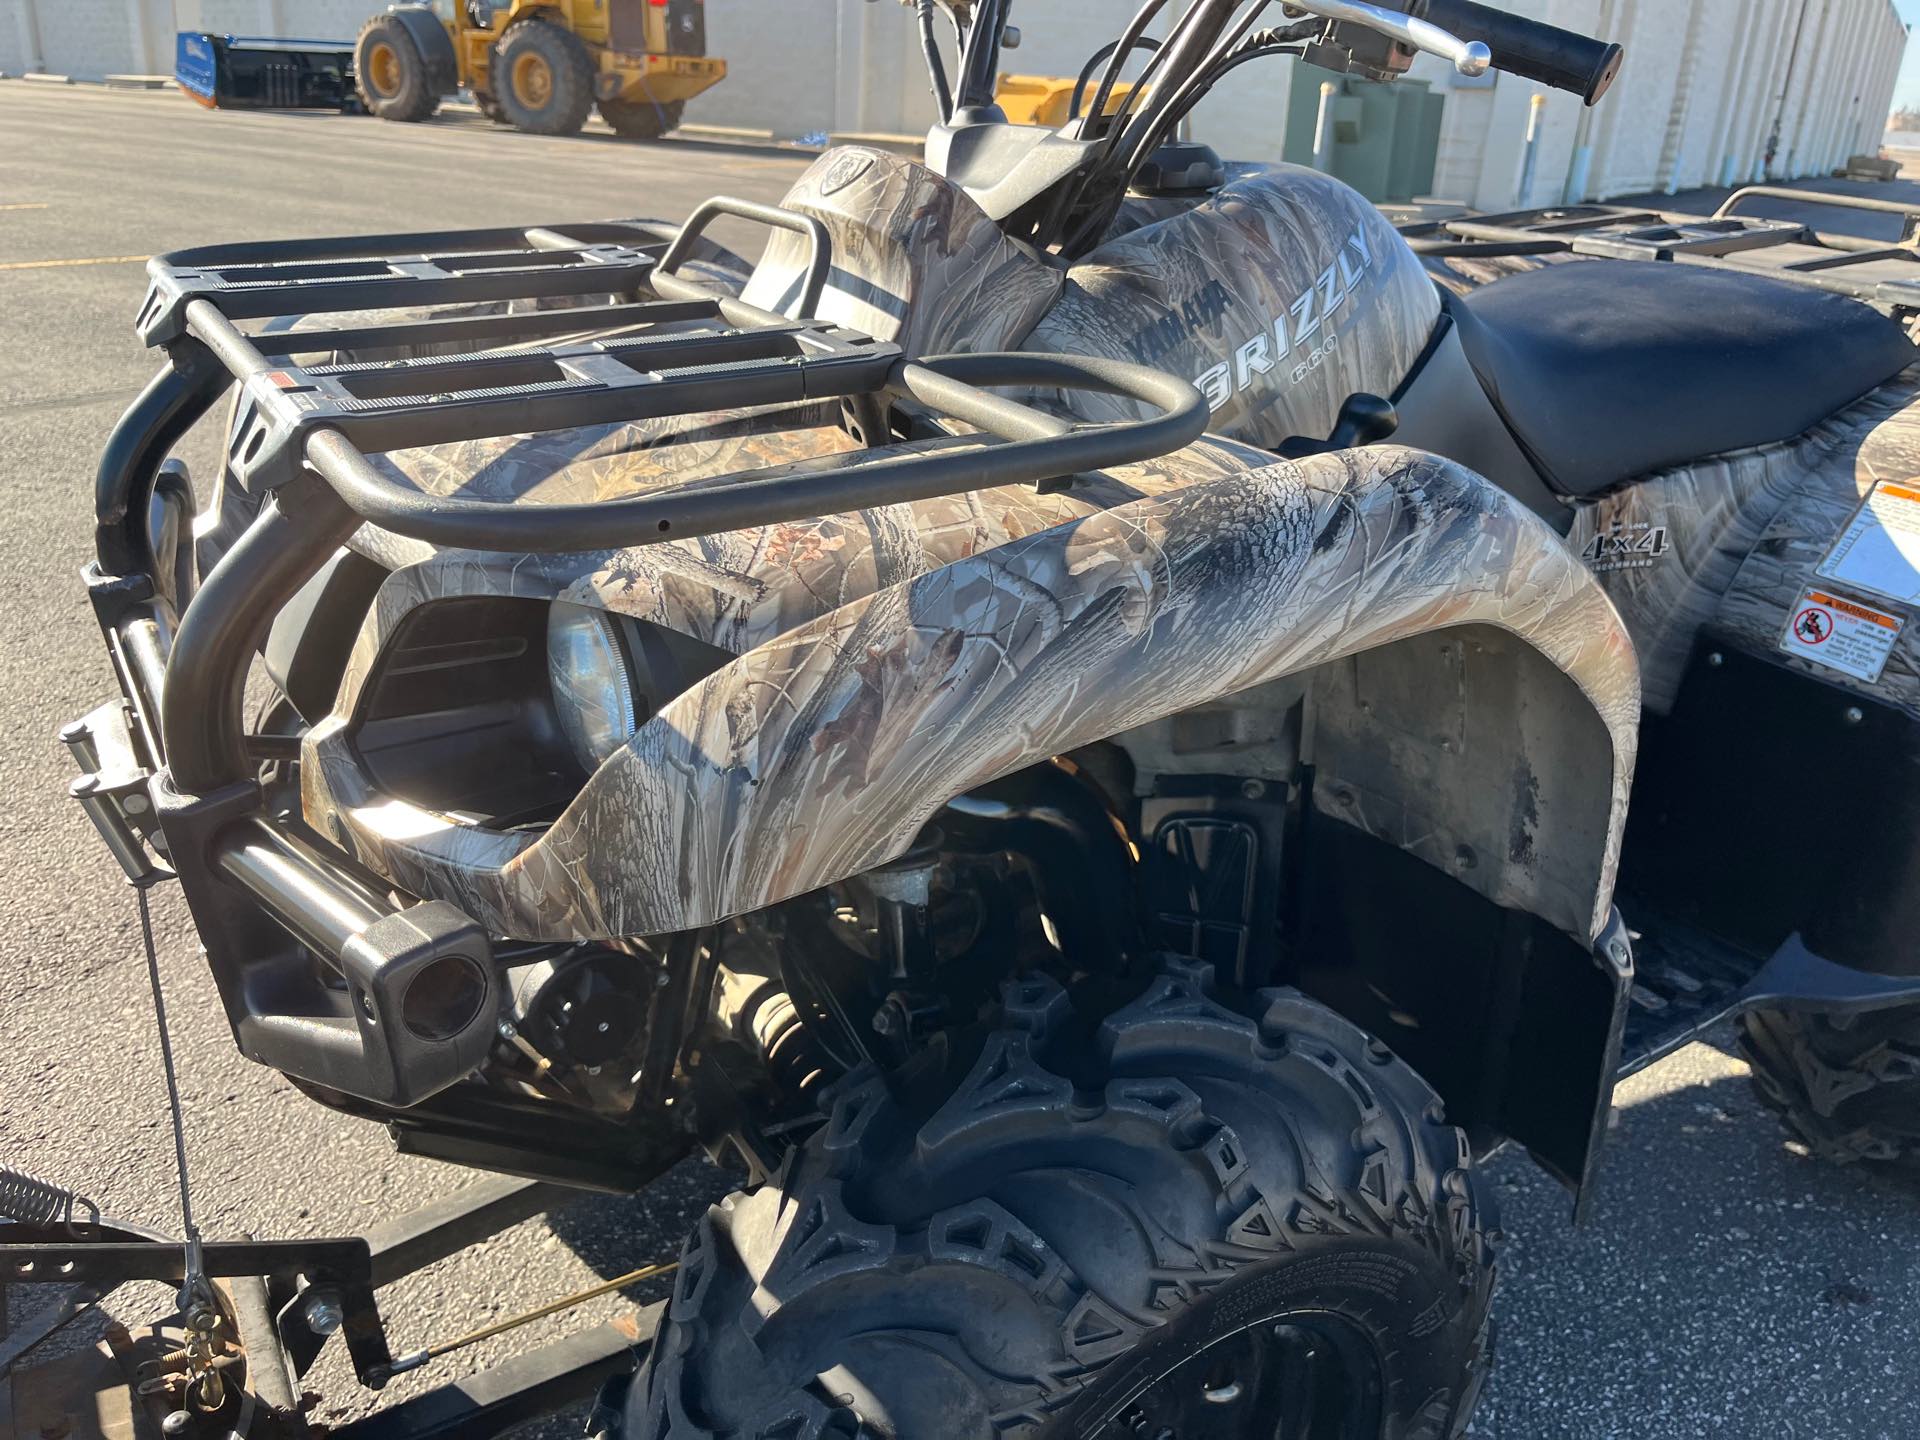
column 579, row 1015
column 796, row 1063
column 1080, row 862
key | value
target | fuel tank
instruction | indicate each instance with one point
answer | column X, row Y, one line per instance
column 1280, row 294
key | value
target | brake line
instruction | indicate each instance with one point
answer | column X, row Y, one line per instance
column 199, row 1310
column 196, row 1292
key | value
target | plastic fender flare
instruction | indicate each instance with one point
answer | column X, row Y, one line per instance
column 436, row 48
column 821, row 753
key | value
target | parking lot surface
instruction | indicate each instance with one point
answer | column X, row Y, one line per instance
column 1725, row 1286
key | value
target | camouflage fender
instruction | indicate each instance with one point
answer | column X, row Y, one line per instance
column 823, row 750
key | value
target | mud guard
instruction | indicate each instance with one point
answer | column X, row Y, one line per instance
column 430, row 38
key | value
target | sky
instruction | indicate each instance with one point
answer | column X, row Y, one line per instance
column 1906, row 94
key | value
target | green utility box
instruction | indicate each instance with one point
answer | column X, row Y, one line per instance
column 1385, row 137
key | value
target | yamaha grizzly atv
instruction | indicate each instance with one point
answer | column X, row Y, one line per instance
column 793, row 711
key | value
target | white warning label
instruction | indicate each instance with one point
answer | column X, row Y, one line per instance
column 1841, row 634
column 1880, row 548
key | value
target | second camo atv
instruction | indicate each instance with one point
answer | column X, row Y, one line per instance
column 1108, row 884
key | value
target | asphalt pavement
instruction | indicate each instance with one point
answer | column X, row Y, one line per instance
column 1724, row 1287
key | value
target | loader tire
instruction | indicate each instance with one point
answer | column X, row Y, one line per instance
column 1183, row 1222
column 544, row 79
column 641, row 119
column 1848, row 1087
column 389, row 73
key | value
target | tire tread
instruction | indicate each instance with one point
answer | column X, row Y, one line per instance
column 1849, row 1090
column 1029, row 1331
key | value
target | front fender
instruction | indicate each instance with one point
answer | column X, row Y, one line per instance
column 821, row 752
column 430, row 38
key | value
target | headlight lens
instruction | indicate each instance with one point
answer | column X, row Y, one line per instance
column 592, row 678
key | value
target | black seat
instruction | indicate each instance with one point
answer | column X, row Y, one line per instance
column 1606, row 369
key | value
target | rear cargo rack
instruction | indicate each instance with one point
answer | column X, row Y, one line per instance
column 592, row 324
column 1883, row 273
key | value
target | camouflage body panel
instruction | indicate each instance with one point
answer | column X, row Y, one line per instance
column 1279, row 295
column 1732, row 542
column 915, row 260
column 901, row 656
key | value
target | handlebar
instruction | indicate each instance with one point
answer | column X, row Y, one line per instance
column 1563, row 59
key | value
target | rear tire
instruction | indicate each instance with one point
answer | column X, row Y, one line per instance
column 543, row 79
column 1846, row 1087
column 1183, row 1224
column 642, row 119
column 389, row 73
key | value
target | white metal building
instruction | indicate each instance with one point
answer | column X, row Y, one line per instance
column 1713, row 92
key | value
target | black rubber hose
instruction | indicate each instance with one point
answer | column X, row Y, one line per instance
column 1123, row 47
column 1140, row 42
column 936, row 67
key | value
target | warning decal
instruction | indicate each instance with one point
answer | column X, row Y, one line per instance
column 1841, row 634
column 1880, row 548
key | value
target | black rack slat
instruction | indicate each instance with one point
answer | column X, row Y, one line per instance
column 395, row 272
column 264, row 299
column 440, row 399
column 505, row 327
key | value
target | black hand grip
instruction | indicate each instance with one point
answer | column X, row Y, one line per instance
column 1563, row 59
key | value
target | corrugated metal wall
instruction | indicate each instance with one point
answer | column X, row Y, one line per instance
column 1714, row 91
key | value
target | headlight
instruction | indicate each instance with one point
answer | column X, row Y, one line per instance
column 591, row 671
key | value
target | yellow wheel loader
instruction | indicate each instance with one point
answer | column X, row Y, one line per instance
column 540, row 65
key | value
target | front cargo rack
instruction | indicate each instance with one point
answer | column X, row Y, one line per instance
column 651, row 344
column 465, row 336
column 1885, row 273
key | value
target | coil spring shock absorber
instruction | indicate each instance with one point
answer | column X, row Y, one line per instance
column 797, row 1064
